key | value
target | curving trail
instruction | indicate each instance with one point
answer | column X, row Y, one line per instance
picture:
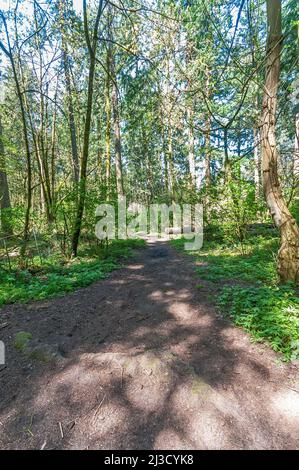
column 142, row 361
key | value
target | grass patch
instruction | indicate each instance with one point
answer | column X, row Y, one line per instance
column 56, row 276
column 250, row 293
column 21, row 340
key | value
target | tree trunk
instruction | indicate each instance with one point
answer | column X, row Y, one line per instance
column 92, row 48
column 82, row 184
column 108, row 118
column 4, row 189
column 53, row 149
column 207, row 137
column 117, row 136
column 257, row 164
column 296, row 151
column 191, row 155
column 226, row 159
column 67, row 74
column 9, row 53
column 170, row 162
column 71, row 116
column 207, row 149
column 288, row 255
column 164, row 162
column 99, row 172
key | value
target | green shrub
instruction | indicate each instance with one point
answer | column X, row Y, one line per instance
column 249, row 290
column 269, row 313
column 54, row 278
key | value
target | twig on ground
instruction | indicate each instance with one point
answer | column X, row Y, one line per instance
column 44, row 445
column 121, row 378
column 61, row 429
column 99, row 407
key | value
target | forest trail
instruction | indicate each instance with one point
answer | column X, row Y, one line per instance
column 141, row 360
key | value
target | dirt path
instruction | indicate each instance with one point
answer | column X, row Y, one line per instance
column 141, row 360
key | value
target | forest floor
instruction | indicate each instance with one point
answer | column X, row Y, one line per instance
column 141, row 360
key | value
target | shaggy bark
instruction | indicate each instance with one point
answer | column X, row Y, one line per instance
column 288, row 255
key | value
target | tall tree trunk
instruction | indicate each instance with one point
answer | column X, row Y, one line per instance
column 191, row 154
column 170, row 162
column 207, row 137
column 92, row 48
column 257, row 164
column 117, row 136
column 42, row 165
column 99, row 149
column 296, row 151
column 4, row 189
column 53, row 148
column 85, row 152
column 164, row 162
column 39, row 135
column 226, row 159
column 288, row 255
column 67, row 75
column 190, row 119
column 207, row 149
column 253, row 14
column 9, row 53
column 71, row 114
column 108, row 116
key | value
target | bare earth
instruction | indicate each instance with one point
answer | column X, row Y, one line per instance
column 142, row 361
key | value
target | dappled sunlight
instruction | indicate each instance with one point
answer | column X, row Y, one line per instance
column 118, row 282
column 170, row 439
column 181, row 311
column 149, row 225
column 157, row 295
column 286, row 404
column 135, row 267
column 151, row 366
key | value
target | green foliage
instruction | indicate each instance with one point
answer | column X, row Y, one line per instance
column 269, row 313
column 228, row 262
column 250, row 293
column 235, row 206
column 294, row 208
column 53, row 278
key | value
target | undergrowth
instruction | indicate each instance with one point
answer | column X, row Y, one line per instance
column 250, row 292
column 55, row 275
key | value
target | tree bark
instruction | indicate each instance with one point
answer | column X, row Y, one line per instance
column 170, row 162
column 226, row 159
column 207, row 137
column 92, row 48
column 70, row 106
column 257, row 164
column 207, row 148
column 288, row 255
column 9, row 53
column 108, row 115
column 191, row 154
column 296, row 151
column 117, row 135
column 4, row 189
column 190, row 120
column 71, row 114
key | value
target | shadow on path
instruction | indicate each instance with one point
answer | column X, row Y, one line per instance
column 143, row 361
